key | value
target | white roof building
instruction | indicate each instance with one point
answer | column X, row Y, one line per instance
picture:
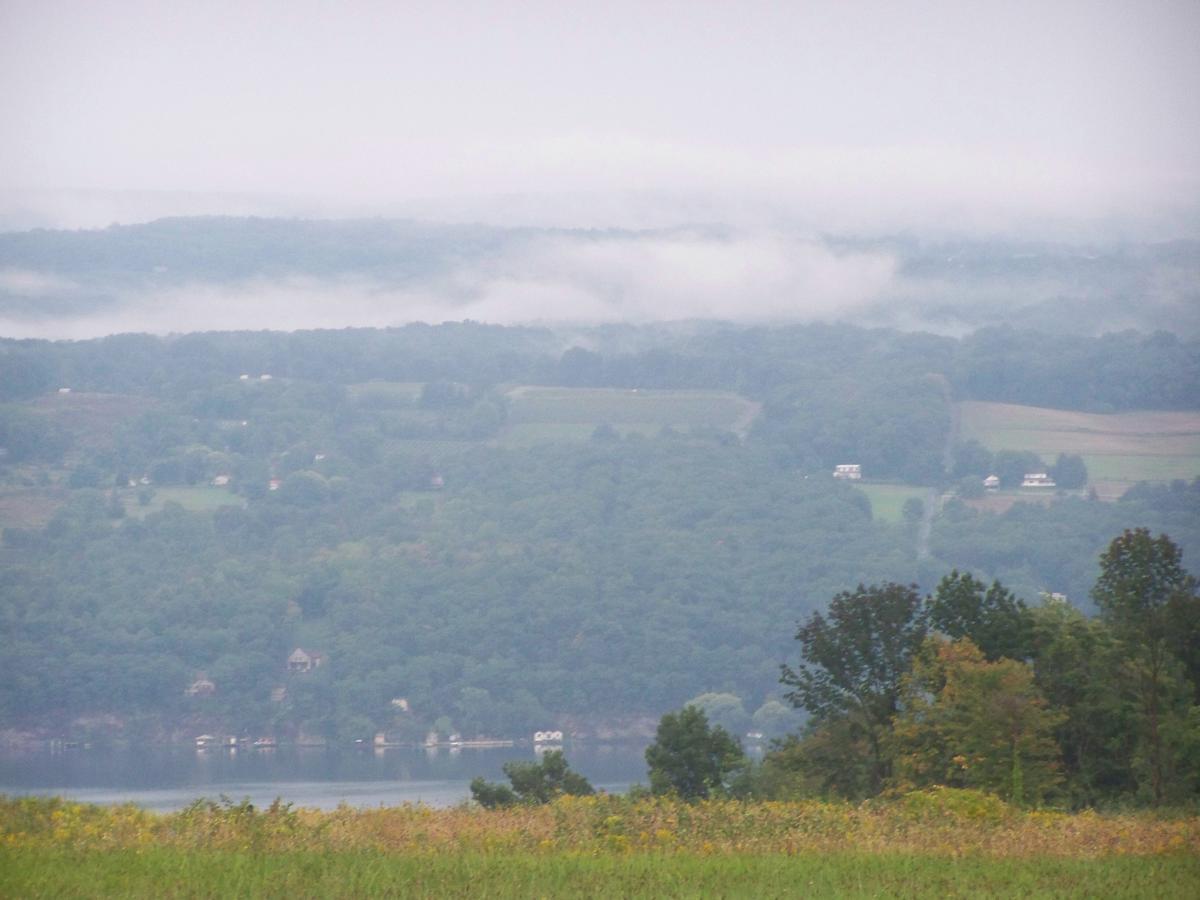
column 1037, row 480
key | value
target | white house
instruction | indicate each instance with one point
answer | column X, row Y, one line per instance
column 1037, row 480
column 201, row 687
column 992, row 483
column 303, row 660
column 848, row 472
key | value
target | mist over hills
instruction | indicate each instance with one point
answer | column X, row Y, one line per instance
column 214, row 273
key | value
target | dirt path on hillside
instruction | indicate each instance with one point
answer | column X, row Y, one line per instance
column 741, row 425
column 934, row 498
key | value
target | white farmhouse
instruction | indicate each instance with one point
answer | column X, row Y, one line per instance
column 1037, row 480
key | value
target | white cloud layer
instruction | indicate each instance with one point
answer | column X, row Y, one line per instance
column 683, row 275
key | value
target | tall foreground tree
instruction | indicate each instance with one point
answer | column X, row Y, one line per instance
column 970, row 722
column 852, row 665
column 691, row 760
column 1142, row 581
column 996, row 620
column 1077, row 664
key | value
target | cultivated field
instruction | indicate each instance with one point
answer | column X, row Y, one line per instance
column 1119, row 449
column 933, row 843
column 555, row 413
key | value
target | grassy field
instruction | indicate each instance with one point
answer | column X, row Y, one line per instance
column 90, row 418
column 931, row 843
column 199, row 499
column 887, row 500
column 33, row 507
column 208, row 873
column 1119, row 449
column 386, row 393
column 553, row 413
column 527, row 434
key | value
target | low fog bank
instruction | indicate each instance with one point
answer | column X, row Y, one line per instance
column 384, row 274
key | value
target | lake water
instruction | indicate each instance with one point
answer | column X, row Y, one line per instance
column 170, row 778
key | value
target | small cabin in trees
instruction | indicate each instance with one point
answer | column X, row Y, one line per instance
column 303, row 660
column 201, row 687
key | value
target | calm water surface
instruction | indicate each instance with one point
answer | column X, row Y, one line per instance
column 171, row 778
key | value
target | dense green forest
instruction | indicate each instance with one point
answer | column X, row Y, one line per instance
column 371, row 502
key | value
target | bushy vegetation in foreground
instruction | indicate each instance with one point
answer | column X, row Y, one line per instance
column 948, row 842
column 941, row 821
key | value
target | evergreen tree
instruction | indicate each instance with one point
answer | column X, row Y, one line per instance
column 1141, row 580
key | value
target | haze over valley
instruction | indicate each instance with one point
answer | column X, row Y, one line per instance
column 800, row 399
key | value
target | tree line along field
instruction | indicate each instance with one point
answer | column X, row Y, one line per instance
column 535, row 415
column 941, row 842
column 1120, row 449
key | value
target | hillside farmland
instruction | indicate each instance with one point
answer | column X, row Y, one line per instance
column 1120, row 449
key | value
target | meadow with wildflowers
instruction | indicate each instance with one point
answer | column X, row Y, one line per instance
column 944, row 841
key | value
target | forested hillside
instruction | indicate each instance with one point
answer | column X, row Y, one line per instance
column 204, row 504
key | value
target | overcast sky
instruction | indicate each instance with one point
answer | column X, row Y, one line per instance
column 865, row 113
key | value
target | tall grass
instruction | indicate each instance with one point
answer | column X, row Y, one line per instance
column 171, row 872
column 940, row 842
column 939, row 822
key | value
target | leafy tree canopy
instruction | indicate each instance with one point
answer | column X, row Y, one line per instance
column 532, row 783
column 968, row 722
column 995, row 620
column 691, row 759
